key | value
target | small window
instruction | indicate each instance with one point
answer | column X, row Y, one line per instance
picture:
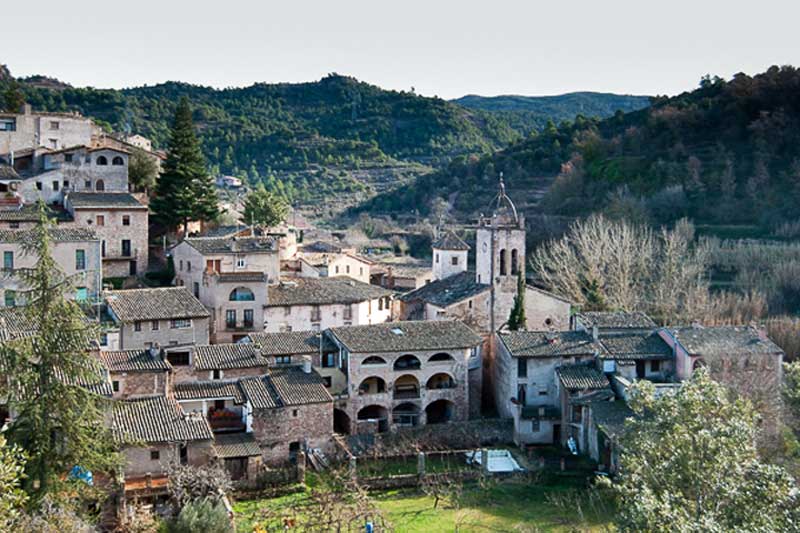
column 522, row 368
column 196, row 289
column 8, row 260
column 347, row 269
column 10, row 298
column 283, row 359
column 137, row 326
column 655, row 366
column 155, row 325
column 360, row 271
column 180, row 265
column 115, row 386
column 68, row 158
column 454, row 260
column 155, row 455
column 219, row 404
column 316, row 313
column 38, row 185
column 102, row 160
column 337, row 269
column 328, row 360
column 294, row 413
column 230, row 318
column 87, row 184
column 326, row 380
column 54, row 125
column 437, row 257
column 118, row 161
column 216, row 374
column 101, row 220
column 80, row 259
column 188, row 266
column 240, row 262
column 126, row 220
column 66, row 184
column 55, row 185
column 13, row 225
column 181, row 323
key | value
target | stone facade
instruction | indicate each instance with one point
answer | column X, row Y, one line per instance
column 164, row 333
column 137, row 384
column 140, row 460
column 282, row 431
column 319, row 317
column 52, row 130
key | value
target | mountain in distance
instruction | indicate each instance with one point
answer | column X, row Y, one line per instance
column 531, row 113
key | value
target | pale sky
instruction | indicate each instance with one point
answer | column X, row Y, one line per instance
column 440, row 47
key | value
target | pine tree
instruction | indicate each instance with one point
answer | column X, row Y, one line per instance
column 517, row 319
column 59, row 422
column 184, row 191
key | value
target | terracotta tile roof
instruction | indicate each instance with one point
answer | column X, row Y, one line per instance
column 450, row 241
column 286, row 343
column 549, row 344
column 616, row 320
column 15, row 323
column 156, row 419
column 155, row 304
column 226, row 356
column 295, row 387
column 723, row 340
column 30, row 213
column 232, row 244
column 236, row 445
column 635, row 345
column 258, row 393
column 210, row 389
column 581, row 377
column 57, row 234
column 103, row 200
column 323, row 291
column 134, row 361
column 407, row 336
column 448, row 291
column 7, row 172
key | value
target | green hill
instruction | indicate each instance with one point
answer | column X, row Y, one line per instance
column 728, row 152
column 531, row 113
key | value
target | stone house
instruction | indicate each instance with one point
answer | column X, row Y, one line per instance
column 137, row 373
column 604, row 422
column 637, row 354
column 526, row 389
column 154, row 432
column 229, row 275
column 227, row 361
column 404, row 374
column 400, row 274
column 323, row 265
column 314, row 304
column 579, row 385
column 77, row 252
column 169, row 318
column 27, row 129
column 121, row 222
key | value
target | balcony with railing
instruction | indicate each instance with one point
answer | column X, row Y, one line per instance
column 228, row 419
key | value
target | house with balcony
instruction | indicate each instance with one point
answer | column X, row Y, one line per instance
column 403, row 374
column 168, row 318
column 229, row 275
column 76, row 251
column 121, row 223
column 314, row 304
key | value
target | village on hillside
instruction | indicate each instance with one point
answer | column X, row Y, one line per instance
column 270, row 351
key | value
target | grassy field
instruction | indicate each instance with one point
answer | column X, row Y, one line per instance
column 507, row 506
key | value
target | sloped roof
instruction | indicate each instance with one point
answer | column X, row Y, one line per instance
column 156, row 419
column 616, row 320
column 232, row 244
column 448, row 291
column 155, row 304
column 15, row 323
column 724, row 340
column 57, row 234
column 103, row 200
column 286, row 343
column 242, row 277
column 7, row 172
column 581, row 377
column 198, row 390
column 236, row 445
column 296, row 387
column 407, row 336
column 134, row 361
column 323, row 291
column 450, row 241
column 610, row 417
column 635, row 345
column 226, row 356
column 549, row 343
column 30, row 213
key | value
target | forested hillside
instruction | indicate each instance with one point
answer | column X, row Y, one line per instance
column 531, row 113
column 728, row 152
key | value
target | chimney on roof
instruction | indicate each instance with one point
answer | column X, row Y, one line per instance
column 595, row 332
column 307, row 364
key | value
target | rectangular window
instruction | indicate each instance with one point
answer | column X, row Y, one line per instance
column 454, row 260
column 347, row 269
column 287, row 310
column 137, row 326
column 337, row 269
column 326, row 380
column 328, row 360
column 655, row 366
column 101, row 220
column 38, row 185
column 126, row 248
column 437, row 258
column 248, row 318
column 230, row 318
column 55, row 185
column 316, row 314
column 81, row 294
column 216, row 374
column 11, row 298
column 87, row 185
column 155, row 325
column 155, row 455
column 54, row 125
column 240, row 262
column 13, row 225
column 66, row 184
column 104, row 339
column 180, row 323
column 188, row 266
column 522, row 368
column 8, row 260
column 68, row 158
column 126, row 220
column 178, row 358
column 348, row 312
column 283, row 359
column 196, row 289
column 80, row 259
column 115, row 386
column 180, row 265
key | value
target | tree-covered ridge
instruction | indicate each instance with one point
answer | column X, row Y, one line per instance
column 727, row 151
column 531, row 113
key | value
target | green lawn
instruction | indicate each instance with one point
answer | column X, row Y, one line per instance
column 507, row 506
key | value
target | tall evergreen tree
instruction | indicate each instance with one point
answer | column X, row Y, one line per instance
column 184, row 191
column 13, row 99
column 59, row 422
column 517, row 320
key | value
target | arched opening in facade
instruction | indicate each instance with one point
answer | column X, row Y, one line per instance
column 442, row 380
column 374, row 414
column 373, row 360
column 441, row 358
column 514, row 262
column 407, row 362
column 406, row 414
column 521, row 395
column 102, row 160
column 439, row 412
column 503, row 262
column 372, row 385
column 100, row 186
column 241, row 294
column 341, row 422
column 117, row 161
column 406, row 387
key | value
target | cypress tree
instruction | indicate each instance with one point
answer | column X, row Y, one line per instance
column 516, row 319
column 185, row 191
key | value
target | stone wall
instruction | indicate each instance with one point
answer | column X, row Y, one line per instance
column 133, row 384
column 276, row 429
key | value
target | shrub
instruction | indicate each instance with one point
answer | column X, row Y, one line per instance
column 203, row 515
